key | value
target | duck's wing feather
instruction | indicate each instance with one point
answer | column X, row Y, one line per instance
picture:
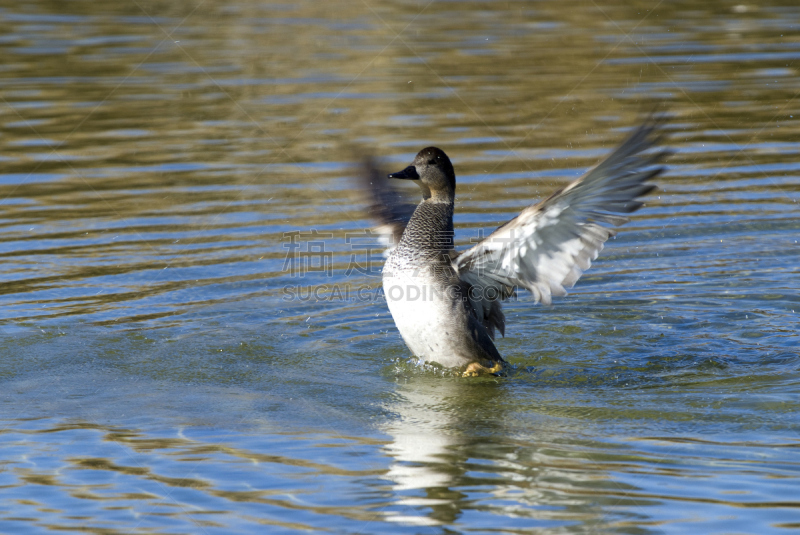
column 548, row 246
column 390, row 208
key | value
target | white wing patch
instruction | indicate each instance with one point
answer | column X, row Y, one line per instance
column 549, row 245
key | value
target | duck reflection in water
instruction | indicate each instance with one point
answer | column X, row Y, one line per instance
column 430, row 448
column 468, row 448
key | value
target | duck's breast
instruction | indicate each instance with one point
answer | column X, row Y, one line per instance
column 430, row 316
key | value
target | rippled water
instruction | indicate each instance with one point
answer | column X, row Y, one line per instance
column 171, row 363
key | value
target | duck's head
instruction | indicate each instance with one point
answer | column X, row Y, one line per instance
column 432, row 172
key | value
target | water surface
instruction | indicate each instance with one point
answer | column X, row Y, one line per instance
column 191, row 340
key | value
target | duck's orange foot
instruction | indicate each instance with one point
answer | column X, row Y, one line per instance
column 475, row 369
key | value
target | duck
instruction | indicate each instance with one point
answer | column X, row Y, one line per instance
column 447, row 304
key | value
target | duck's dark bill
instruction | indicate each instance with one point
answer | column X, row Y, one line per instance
column 409, row 173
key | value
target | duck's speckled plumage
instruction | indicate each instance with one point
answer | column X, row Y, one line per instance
column 428, row 233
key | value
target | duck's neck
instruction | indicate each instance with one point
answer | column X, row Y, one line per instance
column 447, row 197
column 444, row 196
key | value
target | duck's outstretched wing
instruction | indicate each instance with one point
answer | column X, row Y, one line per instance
column 390, row 208
column 549, row 245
